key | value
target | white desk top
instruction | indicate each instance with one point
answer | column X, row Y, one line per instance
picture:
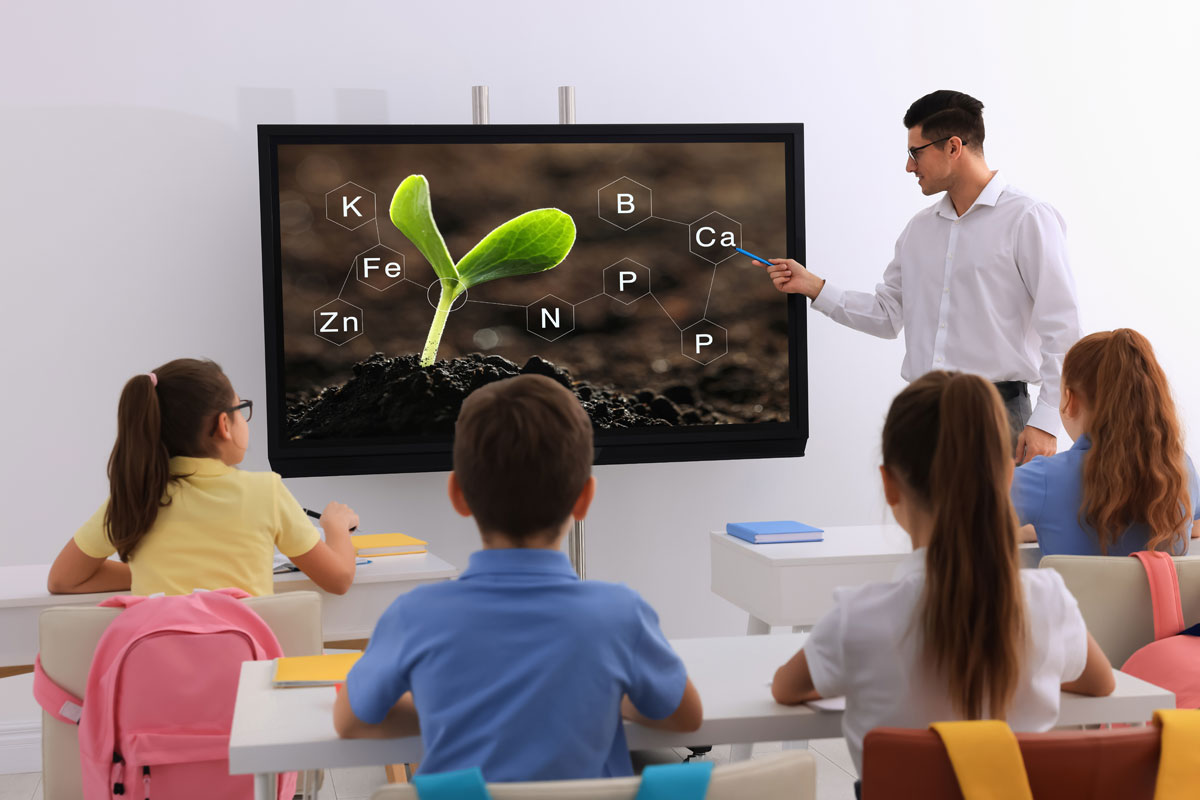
column 290, row 729
column 26, row 585
column 860, row 544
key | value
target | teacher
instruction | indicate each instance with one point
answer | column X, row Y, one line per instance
column 979, row 282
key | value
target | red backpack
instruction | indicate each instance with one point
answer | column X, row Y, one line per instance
column 1172, row 660
column 159, row 700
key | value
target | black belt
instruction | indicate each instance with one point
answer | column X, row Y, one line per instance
column 1011, row 390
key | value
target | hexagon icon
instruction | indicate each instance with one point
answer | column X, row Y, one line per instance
column 715, row 237
column 625, row 203
column 704, row 342
column 379, row 267
column 350, row 206
column 338, row 322
column 627, row 280
column 550, row 318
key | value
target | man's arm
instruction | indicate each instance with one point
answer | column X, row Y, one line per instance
column 880, row 314
column 1041, row 256
column 400, row 721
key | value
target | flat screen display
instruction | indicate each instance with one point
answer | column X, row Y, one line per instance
column 405, row 266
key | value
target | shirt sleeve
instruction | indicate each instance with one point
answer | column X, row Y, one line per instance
column 296, row 534
column 880, row 314
column 825, row 650
column 657, row 675
column 1029, row 490
column 1069, row 627
column 1041, row 255
column 91, row 539
column 381, row 676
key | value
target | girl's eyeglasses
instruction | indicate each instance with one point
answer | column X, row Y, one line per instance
column 246, row 407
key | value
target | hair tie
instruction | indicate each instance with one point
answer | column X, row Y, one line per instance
column 153, row 379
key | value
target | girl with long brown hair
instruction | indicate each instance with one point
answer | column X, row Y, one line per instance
column 180, row 516
column 962, row 632
column 1126, row 484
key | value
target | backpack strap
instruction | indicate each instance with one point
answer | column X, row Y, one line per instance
column 675, row 781
column 986, row 759
column 463, row 784
column 1164, row 593
column 1179, row 762
column 57, row 701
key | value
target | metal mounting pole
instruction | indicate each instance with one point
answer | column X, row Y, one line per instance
column 575, row 544
column 479, row 105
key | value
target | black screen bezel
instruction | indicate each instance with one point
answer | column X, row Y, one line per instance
column 712, row 443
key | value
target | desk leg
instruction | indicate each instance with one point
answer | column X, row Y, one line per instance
column 264, row 786
column 742, row 752
column 801, row 628
column 756, row 627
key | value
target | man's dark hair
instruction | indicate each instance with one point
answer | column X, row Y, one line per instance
column 522, row 454
column 945, row 113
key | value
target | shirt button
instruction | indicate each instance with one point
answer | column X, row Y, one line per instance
column 943, row 325
column 939, row 361
column 946, row 291
column 949, row 255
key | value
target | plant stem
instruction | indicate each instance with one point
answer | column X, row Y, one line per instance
column 429, row 354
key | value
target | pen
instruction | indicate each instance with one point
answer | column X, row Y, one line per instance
column 756, row 258
column 317, row 515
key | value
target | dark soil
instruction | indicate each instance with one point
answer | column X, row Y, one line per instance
column 397, row 397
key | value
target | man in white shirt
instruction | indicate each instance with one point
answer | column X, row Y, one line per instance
column 980, row 281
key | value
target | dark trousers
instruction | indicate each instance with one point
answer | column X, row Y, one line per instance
column 1015, row 395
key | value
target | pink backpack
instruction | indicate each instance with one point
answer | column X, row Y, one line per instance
column 1172, row 660
column 159, row 699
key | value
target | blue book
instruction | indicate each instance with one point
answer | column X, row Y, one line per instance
column 784, row 530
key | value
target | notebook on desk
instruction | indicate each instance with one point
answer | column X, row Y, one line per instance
column 324, row 670
column 386, row 544
column 776, row 531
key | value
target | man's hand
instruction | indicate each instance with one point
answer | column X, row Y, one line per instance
column 1035, row 442
column 791, row 277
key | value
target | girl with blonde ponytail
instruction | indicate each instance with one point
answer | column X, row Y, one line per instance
column 1126, row 484
column 963, row 632
column 179, row 516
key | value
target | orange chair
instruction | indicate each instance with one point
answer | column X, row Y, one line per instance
column 910, row 764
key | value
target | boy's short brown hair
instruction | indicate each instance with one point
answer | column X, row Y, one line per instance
column 522, row 454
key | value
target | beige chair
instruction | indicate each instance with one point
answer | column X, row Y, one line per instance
column 791, row 774
column 1114, row 597
column 67, row 639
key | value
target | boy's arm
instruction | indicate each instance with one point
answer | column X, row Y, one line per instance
column 685, row 719
column 793, row 682
column 75, row 572
column 400, row 721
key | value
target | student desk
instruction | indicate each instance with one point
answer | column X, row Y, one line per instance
column 353, row 615
column 792, row 584
column 279, row 730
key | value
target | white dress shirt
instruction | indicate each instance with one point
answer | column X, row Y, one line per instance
column 989, row 293
column 869, row 648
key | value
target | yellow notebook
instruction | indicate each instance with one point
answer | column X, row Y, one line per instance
column 313, row 670
column 370, row 545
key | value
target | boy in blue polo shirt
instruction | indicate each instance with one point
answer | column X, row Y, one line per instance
column 518, row 667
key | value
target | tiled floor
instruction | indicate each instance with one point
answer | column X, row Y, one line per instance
column 835, row 775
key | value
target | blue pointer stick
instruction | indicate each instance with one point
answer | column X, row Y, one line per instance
column 760, row 259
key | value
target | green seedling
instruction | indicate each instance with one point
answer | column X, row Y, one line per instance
column 533, row 242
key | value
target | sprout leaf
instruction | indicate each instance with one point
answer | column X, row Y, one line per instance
column 412, row 213
column 533, row 242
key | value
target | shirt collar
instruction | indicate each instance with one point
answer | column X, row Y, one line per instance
column 1084, row 442
column 913, row 564
column 988, row 197
column 203, row 467
column 520, row 560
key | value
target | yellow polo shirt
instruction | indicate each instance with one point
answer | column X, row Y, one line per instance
column 220, row 529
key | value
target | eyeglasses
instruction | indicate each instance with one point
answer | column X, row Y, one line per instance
column 912, row 151
column 246, row 407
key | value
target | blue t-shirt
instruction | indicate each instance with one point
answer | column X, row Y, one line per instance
column 518, row 668
column 1048, row 494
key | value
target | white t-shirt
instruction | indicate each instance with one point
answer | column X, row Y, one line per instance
column 868, row 648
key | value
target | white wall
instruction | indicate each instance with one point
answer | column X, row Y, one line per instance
column 130, row 232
